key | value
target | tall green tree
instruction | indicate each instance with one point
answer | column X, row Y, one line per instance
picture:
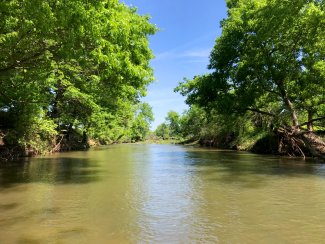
column 163, row 131
column 141, row 125
column 193, row 122
column 173, row 120
column 171, row 127
column 268, row 60
column 63, row 63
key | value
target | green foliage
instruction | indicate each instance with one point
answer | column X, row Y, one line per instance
column 173, row 121
column 267, row 71
column 74, row 62
column 163, row 131
column 141, row 125
column 269, row 59
column 192, row 122
column 171, row 128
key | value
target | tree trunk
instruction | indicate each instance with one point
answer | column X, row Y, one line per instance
column 289, row 105
column 310, row 126
column 58, row 96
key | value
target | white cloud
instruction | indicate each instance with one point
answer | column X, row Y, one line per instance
column 198, row 53
column 163, row 102
column 175, row 54
column 192, row 55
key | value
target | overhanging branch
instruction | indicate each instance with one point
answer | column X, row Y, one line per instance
column 260, row 112
column 311, row 121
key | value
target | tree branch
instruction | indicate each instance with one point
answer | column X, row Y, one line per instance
column 21, row 101
column 260, row 112
column 22, row 61
column 310, row 121
column 28, row 59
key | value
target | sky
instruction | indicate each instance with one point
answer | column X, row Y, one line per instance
column 187, row 33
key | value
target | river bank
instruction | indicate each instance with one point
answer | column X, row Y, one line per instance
column 271, row 144
column 283, row 143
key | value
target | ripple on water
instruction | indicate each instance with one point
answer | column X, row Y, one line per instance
column 162, row 194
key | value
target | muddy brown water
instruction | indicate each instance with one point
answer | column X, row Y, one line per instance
column 162, row 194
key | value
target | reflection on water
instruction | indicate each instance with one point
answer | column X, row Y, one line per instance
column 161, row 194
column 49, row 170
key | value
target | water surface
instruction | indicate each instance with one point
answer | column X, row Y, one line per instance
column 162, row 194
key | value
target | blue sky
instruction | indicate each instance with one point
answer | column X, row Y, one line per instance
column 188, row 30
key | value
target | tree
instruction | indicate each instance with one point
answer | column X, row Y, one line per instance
column 171, row 127
column 173, row 120
column 141, row 125
column 63, row 63
column 193, row 122
column 270, row 52
column 163, row 131
column 268, row 64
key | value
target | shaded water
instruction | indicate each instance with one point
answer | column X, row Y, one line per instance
column 162, row 194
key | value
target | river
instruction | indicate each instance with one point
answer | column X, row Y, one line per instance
column 162, row 194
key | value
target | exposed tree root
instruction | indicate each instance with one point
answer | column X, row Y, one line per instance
column 314, row 144
column 298, row 143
